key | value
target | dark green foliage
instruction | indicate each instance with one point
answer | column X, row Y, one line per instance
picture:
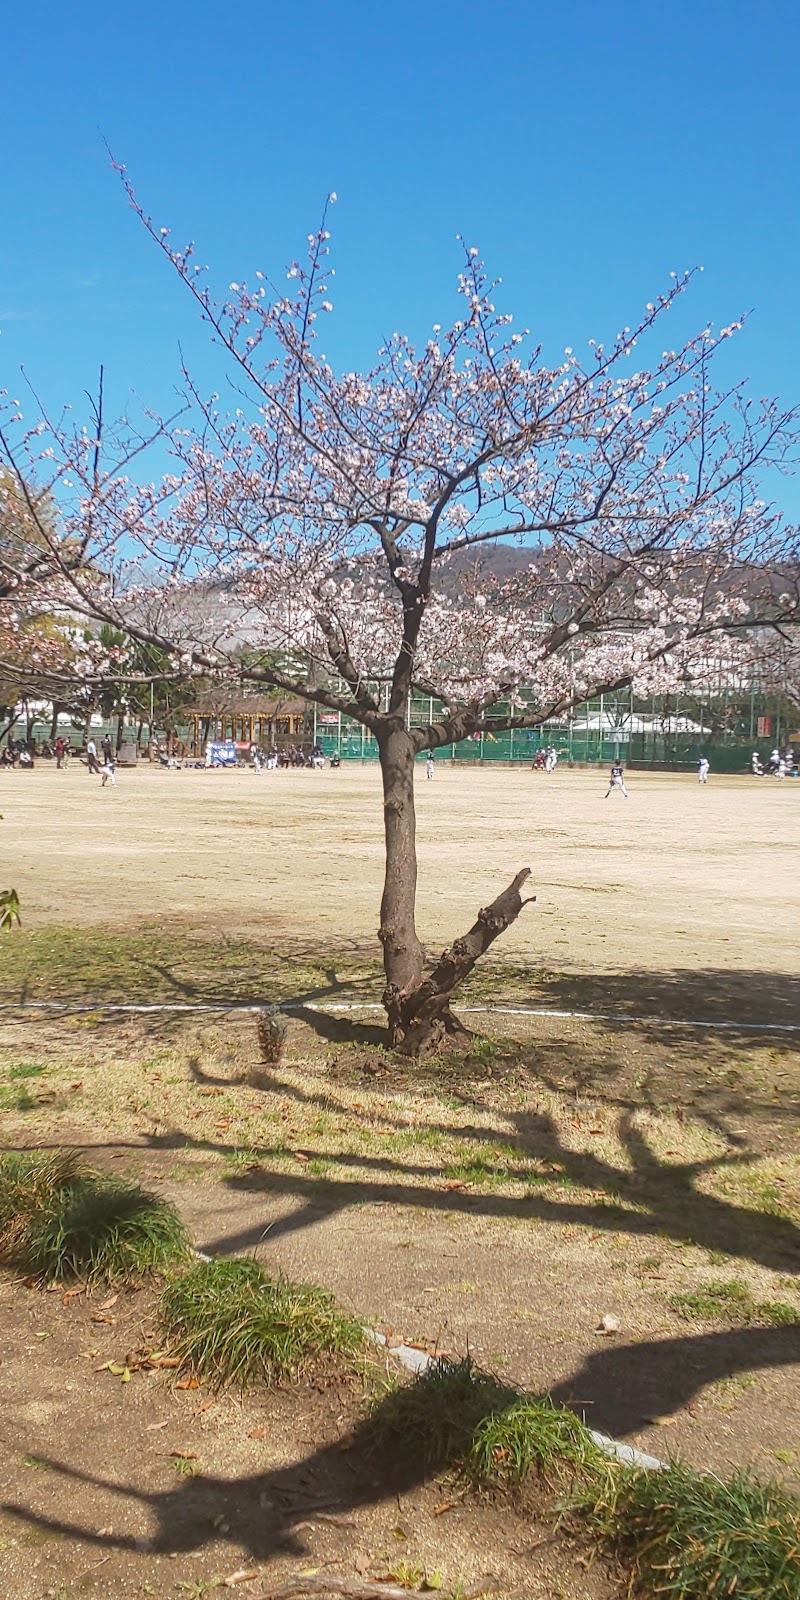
column 232, row 1323
column 694, row 1537
column 440, row 1412
column 60, row 1219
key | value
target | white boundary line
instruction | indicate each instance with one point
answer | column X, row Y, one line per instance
column 187, row 1008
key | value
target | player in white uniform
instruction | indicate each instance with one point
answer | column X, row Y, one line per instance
column 702, row 769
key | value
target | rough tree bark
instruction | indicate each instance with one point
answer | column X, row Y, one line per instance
column 418, row 1007
column 403, row 955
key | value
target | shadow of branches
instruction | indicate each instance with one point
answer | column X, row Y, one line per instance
column 266, row 1512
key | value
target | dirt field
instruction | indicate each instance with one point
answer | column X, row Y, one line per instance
column 566, row 1169
column 678, row 876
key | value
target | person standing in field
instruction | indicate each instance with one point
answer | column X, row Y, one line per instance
column 617, row 779
column 107, row 750
column 91, row 756
column 60, row 749
column 703, row 769
column 429, row 765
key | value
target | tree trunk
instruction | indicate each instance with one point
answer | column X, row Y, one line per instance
column 54, row 722
column 403, row 955
column 424, row 1015
column 418, row 1008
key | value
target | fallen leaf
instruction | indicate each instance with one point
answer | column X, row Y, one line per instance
column 107, row 1304
column 80, row 1288
column 662, row 1422
column 454, row 1183
column 243, row 1576
column 299, row 1156
column 109, row 1321
column 187, row 1383
column 184, row 1455
column 447, row 1505
column 258, row 1433
column 153, row 1427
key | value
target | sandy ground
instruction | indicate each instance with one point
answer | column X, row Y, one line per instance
column 678, row 876
column 634, row 1160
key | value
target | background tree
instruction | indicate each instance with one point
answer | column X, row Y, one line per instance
column 348, row 517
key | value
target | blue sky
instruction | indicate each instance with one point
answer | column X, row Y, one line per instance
column 587, row 149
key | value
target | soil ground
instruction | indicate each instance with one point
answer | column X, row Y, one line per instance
column 567, row 1168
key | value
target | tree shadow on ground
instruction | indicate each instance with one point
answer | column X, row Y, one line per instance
column 623, row 1387
column 649, row 1197
column 266, row 1512
column 739, row 997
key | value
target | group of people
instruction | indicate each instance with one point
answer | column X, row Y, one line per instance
column 781, row 764
column 15, row 753
column 291, row 757
column 545, row 760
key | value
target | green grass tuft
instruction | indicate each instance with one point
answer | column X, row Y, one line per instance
column 730, row 1300
column 777, row 1313
column 438, row 1414
column 686, row 1535
column 232, row 1323
column 14, row 1099
column 60, row 1219
column 458, row 1415
column 531, row 1434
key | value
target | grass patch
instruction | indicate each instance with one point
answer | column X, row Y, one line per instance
column 147, row 963
column 14, row 1099
column 440, row 1412
column 471, row 1165
column 686, row 1535
column 730, row 1300
column 530, row 1434
column 232, row 1323
column 60, row 1219
column 26, row 1069
column 682, row 1534
column 459, row 1415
